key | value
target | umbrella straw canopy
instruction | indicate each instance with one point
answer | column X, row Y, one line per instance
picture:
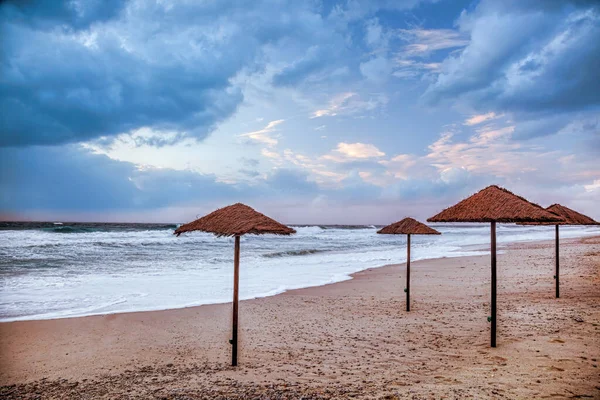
column 495, row 204
column 408, row 226
column 236, row 220
column 571, row 217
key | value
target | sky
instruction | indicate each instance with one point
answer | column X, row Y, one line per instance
column 318, row 111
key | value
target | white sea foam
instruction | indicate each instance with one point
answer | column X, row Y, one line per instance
column 45, row 274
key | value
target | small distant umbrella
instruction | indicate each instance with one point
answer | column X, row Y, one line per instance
column 495, row 204
column 571, row 217
column 236, row 220
column 408, row 226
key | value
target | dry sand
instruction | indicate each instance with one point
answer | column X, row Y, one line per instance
column 349, row 339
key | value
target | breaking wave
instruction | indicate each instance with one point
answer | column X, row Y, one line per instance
column 288, row 253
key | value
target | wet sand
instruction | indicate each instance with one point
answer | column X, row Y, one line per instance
column 351, row 339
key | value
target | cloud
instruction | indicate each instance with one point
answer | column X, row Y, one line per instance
column 405, row 68
column 336, row 104
column 377, row 69
column 454, row 175
column 490, row 152
column 422, row 42
column 73, row 179
column 145, row 80
column 402, row 166
column 316, row 59
column 64, row 86
column 116, row 69
column 351, row 103
column 79, row 70
column 315, row 167
column 346, row 152
column 141, row 137
column 478, row 119
column 482, row 153
column 249, row 162
column 524, row 58
column 578, row 123
column 288, row 182
column 264, row 135
column 408, row 62
column 352, row 10
column 490, row 134
column 77, row 14
column 249, row 172
column 592, row 187
column 375, row 36
column 332, row 53
column 272, row 155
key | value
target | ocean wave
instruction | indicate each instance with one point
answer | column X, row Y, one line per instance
column 49, row 275
column 68, row 229
column 43, row 245
column 332, row 227
column 347, row 227
column 308, row 230
column 304, row 252
column 88, row 229
column 95, row 309
column 83, row 227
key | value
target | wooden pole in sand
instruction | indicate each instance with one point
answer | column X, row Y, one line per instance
column 408, row 273
column 556, row 277
column 493, row 303
column 236, row 281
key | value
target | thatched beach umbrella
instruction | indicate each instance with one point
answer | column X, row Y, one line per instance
column 571, row 217
column 408, row 226
column 236, row 220
column 495, row 204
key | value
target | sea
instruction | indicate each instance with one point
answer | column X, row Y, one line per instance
column 57, row 270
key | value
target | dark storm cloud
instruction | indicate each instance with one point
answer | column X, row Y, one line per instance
column 333, row 51
column 526, row 57
column 72, row 71
column 165, row 66
column 60, row 86
column 76, row 14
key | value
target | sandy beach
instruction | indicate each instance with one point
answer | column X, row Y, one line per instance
column 351, row 339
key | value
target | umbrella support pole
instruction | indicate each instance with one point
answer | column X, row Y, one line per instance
column 556, row 276
column 236, row 281
column 493, row 302
column 408, row 273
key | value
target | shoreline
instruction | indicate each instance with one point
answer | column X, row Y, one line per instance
column 350, row 276
column 345, row 339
